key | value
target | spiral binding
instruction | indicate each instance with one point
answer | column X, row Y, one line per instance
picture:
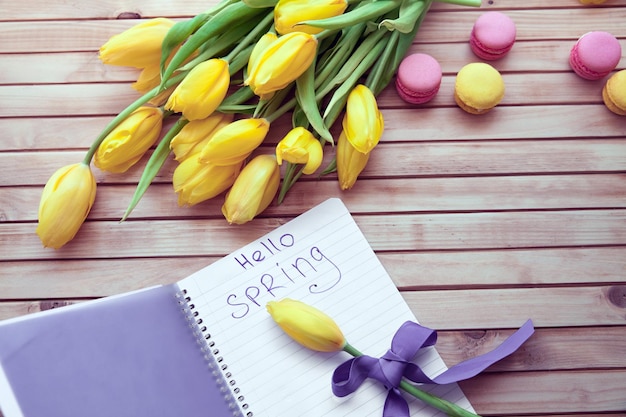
column 215, row 362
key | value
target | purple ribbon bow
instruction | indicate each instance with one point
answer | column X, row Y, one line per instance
column 395, row 364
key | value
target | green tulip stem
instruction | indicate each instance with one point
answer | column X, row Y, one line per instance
column 154, row 165
column 281, row 110
column 125, row 113
column 447, row 407
column 289, row 179
column 471, row 3
column 251, row 37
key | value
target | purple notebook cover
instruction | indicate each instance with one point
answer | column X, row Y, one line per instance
column 133, row 355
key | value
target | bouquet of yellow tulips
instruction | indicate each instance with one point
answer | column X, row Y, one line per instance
column 225, row 76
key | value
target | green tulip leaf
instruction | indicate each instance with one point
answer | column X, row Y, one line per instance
column 340, row 96
column 381, row 72
column 260, row 4
column 305, row 94
column 154, row 165
column 369, row 11
column 223, row 20
column 178, row 34
column 410, row 11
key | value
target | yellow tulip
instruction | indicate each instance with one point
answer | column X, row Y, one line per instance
column 202, row 90
column 299, row 146
column 307, row 325
column 288, row 13
column 149, row 78
column 253, row 190
column 350, row 162
column 234, row 142
column 259, row 47
column 139, row 46
column 130, row 140
column 65, row 203
column 363, row 122
column 195, row 182
column 281, row 62
column 197, row 133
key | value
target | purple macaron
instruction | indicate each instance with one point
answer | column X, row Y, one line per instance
column 595, row 55
column 492, row 36
column 418, row 79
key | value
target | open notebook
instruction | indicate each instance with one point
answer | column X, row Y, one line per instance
column 205, row 346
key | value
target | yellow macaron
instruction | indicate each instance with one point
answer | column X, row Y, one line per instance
column 614, row 93
column 478, row 88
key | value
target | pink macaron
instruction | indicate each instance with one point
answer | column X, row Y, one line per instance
column 418, row 79
column 595, row 55
column 492, row 36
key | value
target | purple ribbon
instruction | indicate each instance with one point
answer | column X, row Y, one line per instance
column 395, row 364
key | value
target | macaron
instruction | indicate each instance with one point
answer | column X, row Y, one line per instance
column 418, row 79
column 492, row 36
column 478, row 88
column 595, row 55
column 614, row 93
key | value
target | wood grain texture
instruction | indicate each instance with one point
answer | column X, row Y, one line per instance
column 482, row 222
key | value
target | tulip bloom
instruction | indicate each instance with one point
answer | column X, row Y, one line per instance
column 288, row 13
column 281, row 62
column 253, row 190
column 350, row 162
column 130, row 140
column 195, row 182
column 65, row 203
column 363, row 122
column 149, row 78
column 234, row 142
column 259, row 47
column 139, row 46
column 299, row 146
column 197, row 133
column 202, row 90
column 307, row 325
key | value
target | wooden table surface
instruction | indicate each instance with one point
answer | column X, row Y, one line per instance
column 482, row 221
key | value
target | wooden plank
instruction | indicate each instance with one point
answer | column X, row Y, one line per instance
column 401, row 125
column 388, row 160
column 531, row 24
column 547, row 392
column 504, row 122
column 84, row 67
column 482, row 308
column 214, row 237
column 510, row 308
column 520, row 89
column 65, row 99
column 97, row 98
column 547, row 349
column 62, row 280
column 451, row 26
column 109, row 9
column 117, row 9
column 62, row 67
column 410, row 271
column 417, row 195
column 493, row 269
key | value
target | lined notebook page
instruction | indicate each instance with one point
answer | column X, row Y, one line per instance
column 320, row 258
